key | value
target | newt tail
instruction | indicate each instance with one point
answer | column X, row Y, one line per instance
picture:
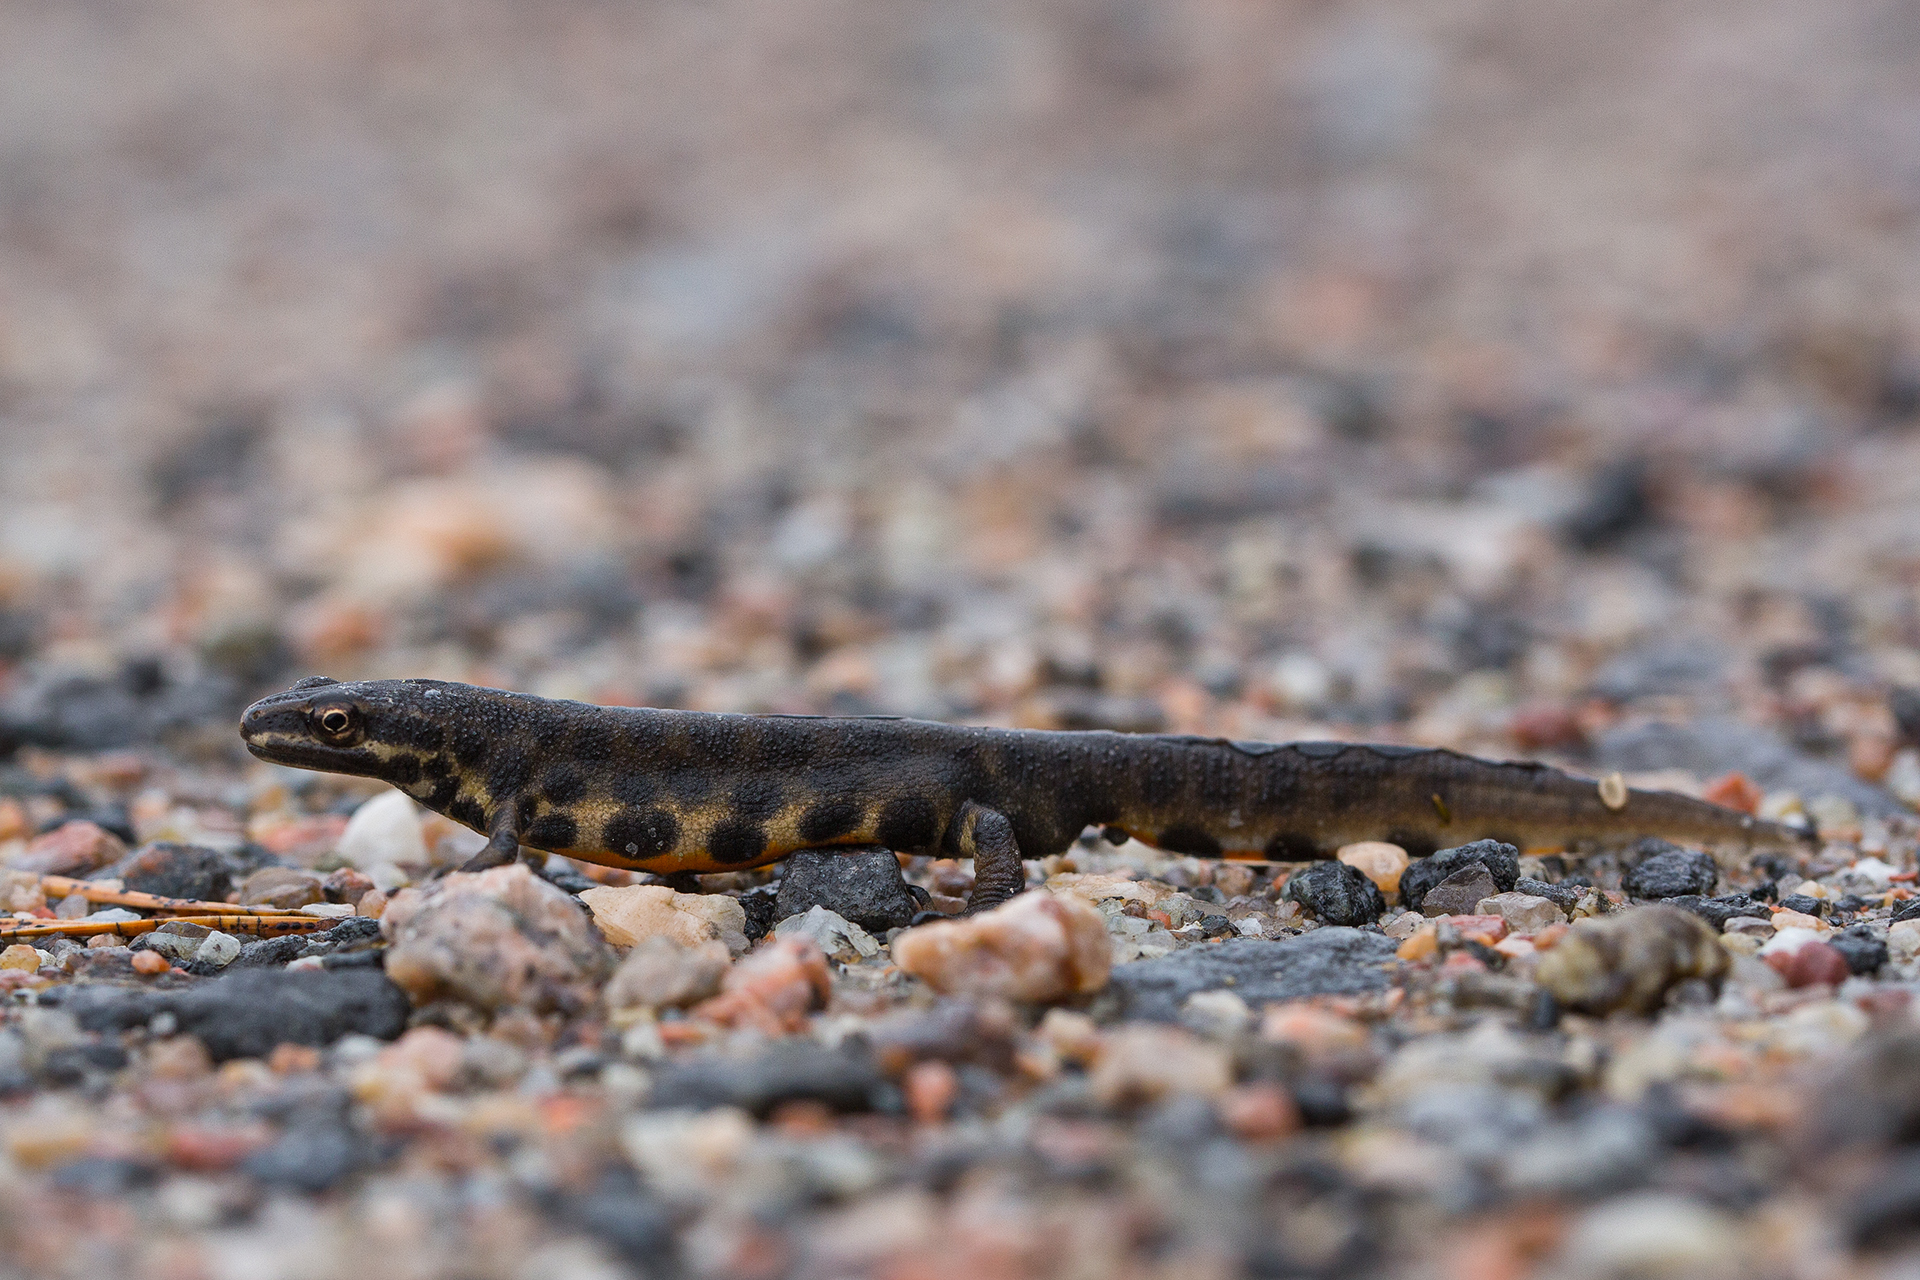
column 676, row 791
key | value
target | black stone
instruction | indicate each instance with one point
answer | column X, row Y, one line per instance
column 1886, row 1211
column 244, row 1015
column 270, row 952
column 763, row 913
column 104, row 1175
column 314, row 1155
column 844, row 1079
column 1668, row 871
column 1805, row 904
column 1864, row 952
column 1329, row 961
column 863, row 884
column 625, row 1216
column 171, row 870
column 1911, row 911
column 1562, row 895
column 1502, row 862
column 1717, row 911
column 1336, row 893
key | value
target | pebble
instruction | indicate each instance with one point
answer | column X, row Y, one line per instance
column 385, row 831
column 1258, row 1112
column 283, row 887
column 498, row 939
column 1668, row 871
column 1502, row 862
column 176, row 940
column 1523, row 912
column 1630, row 960
column 1564, row 896
column 1218, row 1015
column 1653, row 1234
column 629, row 913
column 1460, row 893
column 861, row 884
column 773, row 990
column 150, row 963
column 1378, row 861
column 1864, row 952
column 1784, row 919
column 20, row 956
column 1721, row 912
column 1336, row 892
column 245, row 1014
column 931, row 1087
column 218, row 949
column 843, row 941
column 77, row 848
column 1329, row 961
column 660, row 973
column 1040, row 947
column 1813, row 963
column 169, row 869
column 1141, row 1063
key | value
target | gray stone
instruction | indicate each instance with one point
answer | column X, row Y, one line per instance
column 1563, row 896
column 1336, row 893
column 1864, row 952
column 786, row 1071
column 1329, row 961
column 1502, row 862
column 1460, row 894
column 1668, row 871
column 861, row 884
column 244, row 1015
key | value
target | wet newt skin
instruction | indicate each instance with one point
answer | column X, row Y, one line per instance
column 676, row 791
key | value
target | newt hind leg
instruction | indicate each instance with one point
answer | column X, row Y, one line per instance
column 986, row 836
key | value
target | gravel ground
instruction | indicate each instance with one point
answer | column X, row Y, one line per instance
column 1534, row 381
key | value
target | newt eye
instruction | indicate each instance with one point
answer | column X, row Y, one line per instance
column 334, row 721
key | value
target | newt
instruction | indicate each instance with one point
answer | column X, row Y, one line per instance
column 691, row 791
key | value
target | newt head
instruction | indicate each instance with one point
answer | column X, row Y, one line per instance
column 375, row 728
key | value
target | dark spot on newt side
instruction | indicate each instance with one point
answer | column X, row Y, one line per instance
column 1291, row 846
column 829, row 819
column 563, row 784
column 757, row 799
column 403, row 771
column 1185, row 839
column 435, row 767
column 737, row 842
column 642, row 833
column 470, row 746
column 907, row 822
column 465, row 811
column 553, row 831
column 508, row 773
column 442, row 794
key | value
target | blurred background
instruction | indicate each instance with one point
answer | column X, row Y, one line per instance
column 1464, row 371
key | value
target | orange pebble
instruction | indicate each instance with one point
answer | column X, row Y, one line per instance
column 1421, row 946
column 150, row 963
column 293, row 1059
column 1734, row 791
column 1258, row 1112
column 931, row 1088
